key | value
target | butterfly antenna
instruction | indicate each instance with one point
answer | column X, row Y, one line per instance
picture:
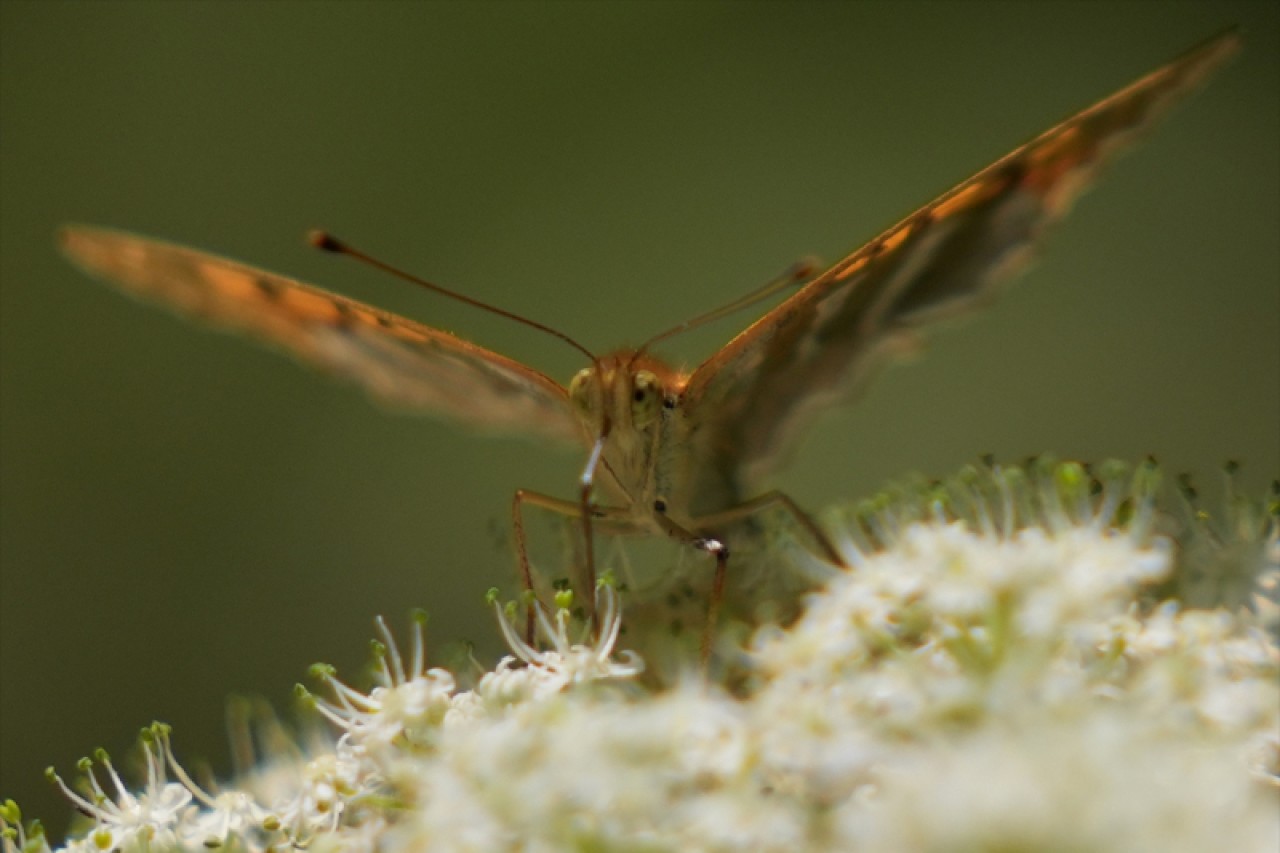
column 797, row 273
column 328, row 243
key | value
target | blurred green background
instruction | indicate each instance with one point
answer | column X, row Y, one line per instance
column 185, row 516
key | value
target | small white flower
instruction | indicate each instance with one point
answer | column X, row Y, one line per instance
column 125, row 821
column 408, row 705
column 324, row 788
column 566, row 662
column 1102, row 782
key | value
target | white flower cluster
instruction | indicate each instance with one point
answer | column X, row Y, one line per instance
column 992, row 673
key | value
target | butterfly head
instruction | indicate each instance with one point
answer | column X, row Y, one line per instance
column 624, row 391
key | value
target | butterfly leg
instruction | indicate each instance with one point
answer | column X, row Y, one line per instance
column 565, row 509
column 585, row 484
column 720, row 551
column 755, row 506
column 776, row 500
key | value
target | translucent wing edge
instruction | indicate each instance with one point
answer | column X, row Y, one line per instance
column 1177, row 78
column 135, row 264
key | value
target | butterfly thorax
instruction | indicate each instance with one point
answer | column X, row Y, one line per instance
column 634, row 401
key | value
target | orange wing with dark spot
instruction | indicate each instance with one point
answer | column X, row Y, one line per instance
column 745, row 401
column 398, row 361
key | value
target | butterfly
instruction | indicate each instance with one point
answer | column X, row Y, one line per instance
column 675, row 453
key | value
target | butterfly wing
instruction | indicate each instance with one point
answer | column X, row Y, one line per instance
column 398, row 361
column 746, row 400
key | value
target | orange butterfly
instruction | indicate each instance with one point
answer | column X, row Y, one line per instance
column 678, row 453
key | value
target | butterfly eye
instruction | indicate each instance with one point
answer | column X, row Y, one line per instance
column 580, row 389
column 645, row 398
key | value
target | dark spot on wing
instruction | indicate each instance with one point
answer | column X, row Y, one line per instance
column 344, row 316
column 1014, row 171
column 269, row 288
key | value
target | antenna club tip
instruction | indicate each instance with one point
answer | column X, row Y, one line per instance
column 325, row 241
